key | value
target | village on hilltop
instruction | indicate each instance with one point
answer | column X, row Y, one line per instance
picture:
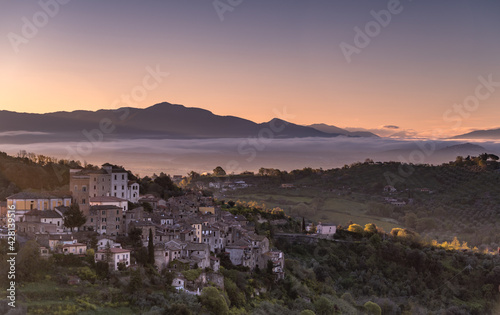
column 188, row 232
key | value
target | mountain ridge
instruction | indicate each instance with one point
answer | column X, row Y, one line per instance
column 162, row 120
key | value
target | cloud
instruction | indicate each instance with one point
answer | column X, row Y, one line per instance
column 175, row 156
column 21, row 133
column 390, row 127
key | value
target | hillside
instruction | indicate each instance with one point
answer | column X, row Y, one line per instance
column 455, row 199
column 358, row 273
column 31, row 171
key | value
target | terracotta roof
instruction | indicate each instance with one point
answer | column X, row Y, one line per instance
column 74, row 244
column 40, row 195
column 44, row 214
column 114, row 250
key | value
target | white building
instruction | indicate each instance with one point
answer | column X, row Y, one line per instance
column 118, row 255
column 133, row 192
column 103, row 243
column 326, row 229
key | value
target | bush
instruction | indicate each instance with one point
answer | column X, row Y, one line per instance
column 85, row 273
column 372, row 308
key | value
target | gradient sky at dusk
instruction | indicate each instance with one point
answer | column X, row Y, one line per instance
column 263, row 57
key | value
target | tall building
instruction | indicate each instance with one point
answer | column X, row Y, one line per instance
column 79, row 182
column 110, row 180
column 100, row 183
column 119, row 180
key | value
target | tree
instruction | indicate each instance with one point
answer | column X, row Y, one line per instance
column 356, row 228
column 370, row 228
column 74, row 218
column 151, row 249
column 323, row 306
column 372, row 308
column 147, row 207
column 28, row 262
column 213, row 301
column 219, row 171
column 93, row 242
column 108, row 253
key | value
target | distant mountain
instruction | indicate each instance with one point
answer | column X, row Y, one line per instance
column 492, row 134
column 336, row 130
column 160, row 121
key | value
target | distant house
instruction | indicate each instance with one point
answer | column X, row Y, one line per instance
column 117, row 255
column 103, row 243
column 109, row 201
column 179, row 282
column 44, row 252
column 56, row 241
column 214, row 263
column 26, row 201
column 277, row 258
column 326, row 229
column 105, row 220
column 74, row 248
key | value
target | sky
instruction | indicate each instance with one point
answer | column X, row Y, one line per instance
column 416, row 68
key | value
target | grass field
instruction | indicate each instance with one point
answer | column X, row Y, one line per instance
column 49, row 297
column 332, row 208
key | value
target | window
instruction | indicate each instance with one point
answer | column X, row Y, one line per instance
column 115, row 179
column 103, row 212
column 115, row 187
column 103, row 220
column 75, row 188
column 91, row 220
column 95, row 187
column 83, row 201
column 84, row 188
column 117, row 227
column 115, row 194
column 122, row 194
column 123, row 176
column 95, row 179
column 117, row 219
column 123, row 187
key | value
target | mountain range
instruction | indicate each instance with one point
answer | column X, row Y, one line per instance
column 490, row 134
column 164, row 121
column 160, row 121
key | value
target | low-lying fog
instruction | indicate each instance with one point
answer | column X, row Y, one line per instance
column 178, row 157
